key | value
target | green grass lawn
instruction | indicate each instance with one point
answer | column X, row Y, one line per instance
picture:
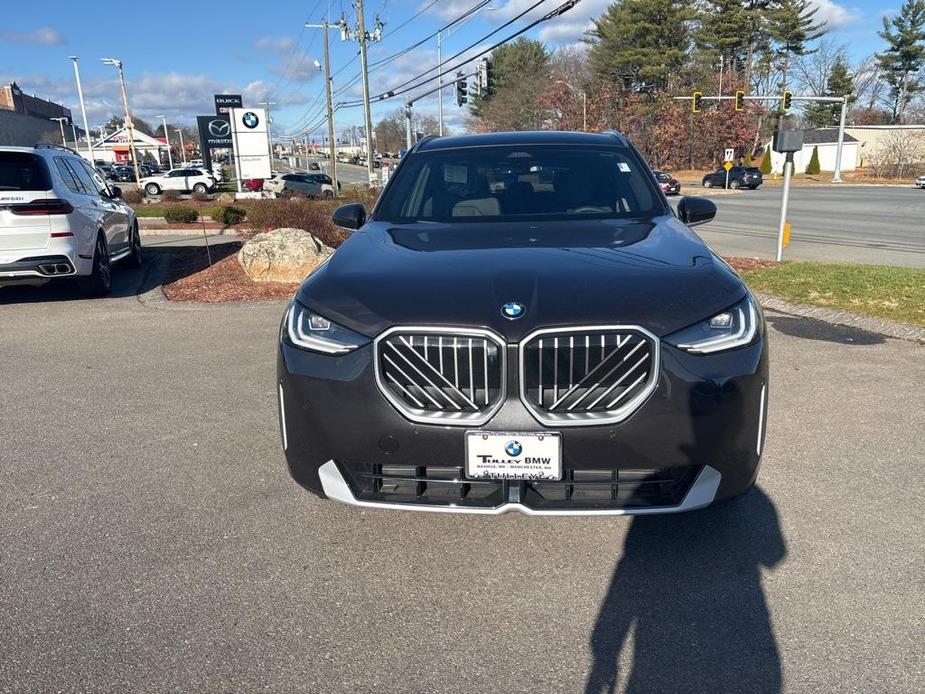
column 894, row 293
column 205, row 212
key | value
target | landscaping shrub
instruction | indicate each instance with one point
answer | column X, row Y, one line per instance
column 813, row 166
column 132, row 196
column 200, row 197
column 170, row 195
column 229, row 215
column 181, row 215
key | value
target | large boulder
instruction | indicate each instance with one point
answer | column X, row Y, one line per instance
column 282, row 255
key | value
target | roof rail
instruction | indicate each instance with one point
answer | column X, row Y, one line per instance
column 426, row 138
column 45, row 145
column 617, row 134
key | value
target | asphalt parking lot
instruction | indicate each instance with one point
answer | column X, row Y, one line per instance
column 151, row 539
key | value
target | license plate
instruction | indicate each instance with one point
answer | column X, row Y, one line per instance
column 513, row 455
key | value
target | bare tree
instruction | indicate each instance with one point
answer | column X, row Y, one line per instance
column 898, row 155
column 810, row 72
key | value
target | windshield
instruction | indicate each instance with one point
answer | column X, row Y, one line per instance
column 520, row 182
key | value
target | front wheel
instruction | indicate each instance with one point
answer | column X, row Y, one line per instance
column 99, row 282
column 134, row 258
column 200, row 188
column 707, row 183
column 153, row 189
column 734, row 184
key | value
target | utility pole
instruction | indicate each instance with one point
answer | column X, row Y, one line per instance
column 167, row 139
column 267, row 104
column 61, row 123
column 329, row 103
column 440, row 84
column 182, row 150
column 361, row 36
column 408, row 138
column 128, row 116
column 83, row 109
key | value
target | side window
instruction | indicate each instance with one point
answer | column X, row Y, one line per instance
column 82, row 176
column 95, row 178
column 70, row 180
column 176, row 173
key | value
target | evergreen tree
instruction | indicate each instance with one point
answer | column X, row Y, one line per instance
column 724, row 29
column 840, row 82
column 791, row 26
column 640, row 44
column 766, row 161
column 520, row 71
column 904, row 56
column 813, row 166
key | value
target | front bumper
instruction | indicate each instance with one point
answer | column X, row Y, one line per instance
column 697, row 439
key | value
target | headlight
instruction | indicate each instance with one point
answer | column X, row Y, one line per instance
column 734, row 327
column 311, row 331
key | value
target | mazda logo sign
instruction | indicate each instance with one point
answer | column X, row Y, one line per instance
column 219, row 128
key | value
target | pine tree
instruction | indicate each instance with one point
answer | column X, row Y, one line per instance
column 840, row 82
column 813, row 166
column 724, row 29
column 791, row 26
column 904, row 56
column 520, row 71
column 640, row 44
column 766, row 161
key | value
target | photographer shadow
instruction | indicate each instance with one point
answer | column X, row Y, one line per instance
column 688, row 588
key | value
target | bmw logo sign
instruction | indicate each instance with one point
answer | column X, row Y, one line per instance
column 513, row 448
column 250, row 119
column 513, row 310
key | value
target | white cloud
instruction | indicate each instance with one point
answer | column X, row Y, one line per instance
column 277, row 44
column 43, row 36
column 834, row 14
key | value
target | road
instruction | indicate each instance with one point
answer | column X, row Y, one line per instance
column 851, row 223
column 152, row 540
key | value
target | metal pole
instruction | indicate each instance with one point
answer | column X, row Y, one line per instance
column 788, row 171
column 61, row 124
column 367, row 116
column 332, row 150
column 74, row 133
column 83, row 109
column 584, row 111
column 408, row 142
column 167, row 138
column 439, row 85
column 182, row 148
column 836, row 178
column 269, row 133
column 721, row 61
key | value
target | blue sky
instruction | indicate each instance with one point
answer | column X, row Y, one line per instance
column 177, row 54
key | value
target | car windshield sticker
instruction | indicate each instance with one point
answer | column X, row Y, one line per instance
column 624, row 167
column 453, row 173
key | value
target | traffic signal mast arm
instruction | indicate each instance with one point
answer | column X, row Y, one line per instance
column 779, row 97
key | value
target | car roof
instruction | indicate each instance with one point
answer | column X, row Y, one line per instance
column 540, row 137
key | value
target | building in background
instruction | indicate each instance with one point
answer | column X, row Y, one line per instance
column 12, row 98
column 826, row 139
column 115, row 147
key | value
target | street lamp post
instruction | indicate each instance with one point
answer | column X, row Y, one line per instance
column 61, row 120
column 83, row 109
column 167, row 139
column 584, row 104
column 128, row 116
column 182, row 149
column 74, row 133
column 329, row 105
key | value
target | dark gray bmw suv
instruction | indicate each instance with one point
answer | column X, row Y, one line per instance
column 522, row 323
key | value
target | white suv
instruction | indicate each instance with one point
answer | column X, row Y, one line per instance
column 185, row 180
column 59, row 218
column 920, row 182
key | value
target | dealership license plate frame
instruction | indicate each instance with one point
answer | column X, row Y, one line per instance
column 499, row 439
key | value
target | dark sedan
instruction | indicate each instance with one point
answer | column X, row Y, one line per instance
column 739, row 177
column 668, row 184
column 522, row 323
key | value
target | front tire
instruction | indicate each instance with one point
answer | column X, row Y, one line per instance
column 153, row 189
column 707, row 183
column 734, row 184
column 99, row 282
column 134, row 258
column 200, row 188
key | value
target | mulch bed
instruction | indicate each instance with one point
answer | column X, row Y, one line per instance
column 740, row 264
column 191, row 279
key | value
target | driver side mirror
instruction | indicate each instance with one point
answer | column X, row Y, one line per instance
column 116, row 192
column 350, row 217
column 693, row 210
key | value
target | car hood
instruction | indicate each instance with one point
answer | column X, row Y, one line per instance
column 656, row 274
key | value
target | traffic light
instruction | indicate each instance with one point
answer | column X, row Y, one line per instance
column 740, row 100
column 785, row 102
column 483, row 80
column 461, row 89
column 695, row 104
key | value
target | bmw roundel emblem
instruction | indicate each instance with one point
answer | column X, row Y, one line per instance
column 250, row 119
column 513, row 448
column 513, row 310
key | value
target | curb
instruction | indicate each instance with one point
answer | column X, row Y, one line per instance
column 834, row 316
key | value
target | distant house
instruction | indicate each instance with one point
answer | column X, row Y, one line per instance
column 873, row 137
column 115, row 147
column 826, row 139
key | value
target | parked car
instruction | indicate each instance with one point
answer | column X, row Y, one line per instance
column 60, row 219
column 455, row 319
column 669, row 185
column 920, row 182
column 287, row 184
column 314, row 166
column 739, row 177
column 327, row 184
column 122, row 173
column 185, row 180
